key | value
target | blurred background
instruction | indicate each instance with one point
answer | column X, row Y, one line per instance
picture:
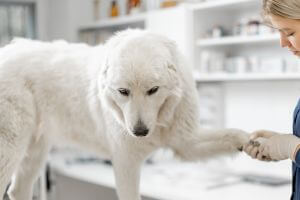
column 245, row 80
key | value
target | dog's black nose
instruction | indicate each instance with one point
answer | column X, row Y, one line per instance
column 140, row 132
column 140, row 129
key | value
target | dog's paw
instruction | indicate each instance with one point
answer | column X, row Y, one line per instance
column 237, row 138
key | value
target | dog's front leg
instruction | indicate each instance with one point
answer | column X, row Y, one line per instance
column 127, row 175
column 205, row 144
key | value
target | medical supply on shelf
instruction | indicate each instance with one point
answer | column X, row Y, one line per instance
column 253, row 27
column 114, row 10
column 96, row 10
column 133, row 6
column 169, row 3
column 271, row 65
column 212, row 62
column 216, row 62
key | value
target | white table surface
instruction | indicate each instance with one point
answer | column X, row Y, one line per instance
column 178, row 181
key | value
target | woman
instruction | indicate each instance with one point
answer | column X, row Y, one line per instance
column 283, row 15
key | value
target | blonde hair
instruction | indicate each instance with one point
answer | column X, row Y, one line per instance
column 283, row 8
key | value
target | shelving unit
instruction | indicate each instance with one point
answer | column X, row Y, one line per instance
column 118, row 21
column 100, row 31
column 222, row 92
column 226, row 13
column 238, row 40
column 220, row 5
column 17, row 1
column 207, row 78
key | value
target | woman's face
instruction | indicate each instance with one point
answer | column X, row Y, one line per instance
column 289, row 32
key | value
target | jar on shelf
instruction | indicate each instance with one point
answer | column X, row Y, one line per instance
column 237, row 29
column 291, row 65
column 243, row 26
column 241, row 65
column 254, row 66
column 212, row 62
column 217, row 31
column 253, row 27
column 272, row 65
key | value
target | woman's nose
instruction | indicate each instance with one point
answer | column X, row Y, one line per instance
column 284, row 42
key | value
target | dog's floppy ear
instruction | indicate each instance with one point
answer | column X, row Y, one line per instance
column 103, row 74
column 167, row 110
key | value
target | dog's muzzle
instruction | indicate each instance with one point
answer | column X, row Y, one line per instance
column 140, row 129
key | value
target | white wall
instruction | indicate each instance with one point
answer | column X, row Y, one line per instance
column 261, row 105
column 65, row 17
column 176, row 24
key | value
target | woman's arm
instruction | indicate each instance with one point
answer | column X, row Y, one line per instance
column 275, row 146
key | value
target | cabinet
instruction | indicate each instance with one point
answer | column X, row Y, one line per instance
column 22, row 18
column 237, row 58
column 98, row 32
column 17, row 20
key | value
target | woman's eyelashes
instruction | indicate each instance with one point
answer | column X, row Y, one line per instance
column 152, row 90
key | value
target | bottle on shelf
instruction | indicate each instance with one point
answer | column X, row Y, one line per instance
column 133, row 6
column 168, row 3
column 114, row 11
column 96, row 9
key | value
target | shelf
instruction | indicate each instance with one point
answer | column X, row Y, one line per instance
column 18, row 2
column 118, row 21
column 235, row 40
column 245, row 77
column 221, row 4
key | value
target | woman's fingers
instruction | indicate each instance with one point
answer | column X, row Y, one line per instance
column 254, row 152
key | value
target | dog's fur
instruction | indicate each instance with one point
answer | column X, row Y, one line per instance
column 54, row 92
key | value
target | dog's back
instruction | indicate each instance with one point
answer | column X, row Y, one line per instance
column 45, row 95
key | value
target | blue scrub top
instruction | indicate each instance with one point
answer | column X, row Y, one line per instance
column 296, row 164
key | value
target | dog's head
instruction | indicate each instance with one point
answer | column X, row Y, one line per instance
column 140, row 80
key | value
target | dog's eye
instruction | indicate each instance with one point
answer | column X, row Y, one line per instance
column 124, row 92
column 152, row 90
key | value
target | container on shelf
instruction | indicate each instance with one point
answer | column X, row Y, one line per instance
column 114, row 9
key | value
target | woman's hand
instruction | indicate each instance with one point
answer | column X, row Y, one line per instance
column 279, row 147
column 262, row 134
column 258, row 138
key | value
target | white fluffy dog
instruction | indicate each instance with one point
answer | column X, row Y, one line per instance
column 122, row 101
